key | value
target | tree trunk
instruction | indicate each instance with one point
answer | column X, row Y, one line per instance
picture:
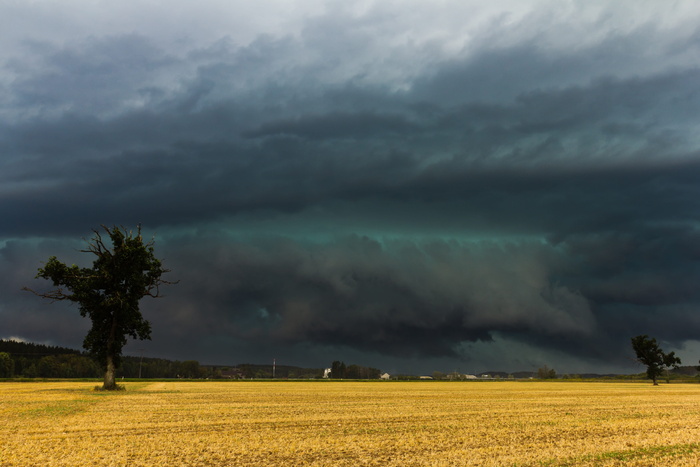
column 109, row 383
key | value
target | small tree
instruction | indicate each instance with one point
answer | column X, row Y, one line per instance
column 109, row 292
column 338, row 370
column 546, row 373
column 190, row 369
column 650, row 354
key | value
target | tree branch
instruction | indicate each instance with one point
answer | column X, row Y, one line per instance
column 53, row 295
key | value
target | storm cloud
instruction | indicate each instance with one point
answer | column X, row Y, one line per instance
column 402, row 185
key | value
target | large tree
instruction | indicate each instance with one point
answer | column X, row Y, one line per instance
column 650, row 354
column 109, row 292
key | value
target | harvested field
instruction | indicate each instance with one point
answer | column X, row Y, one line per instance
column 350, row 423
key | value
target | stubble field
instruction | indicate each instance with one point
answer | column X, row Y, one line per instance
column 350, row 423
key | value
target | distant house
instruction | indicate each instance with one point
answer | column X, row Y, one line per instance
column 385, row 376
column 426, row 377
column 470, row 377
column 326, row 373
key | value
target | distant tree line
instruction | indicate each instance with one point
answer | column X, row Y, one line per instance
column 22, row 359
column 254, row 371
column 7, row 365
column 340, row 371
column 28, row 360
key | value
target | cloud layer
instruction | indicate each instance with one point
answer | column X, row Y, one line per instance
column 396, row 183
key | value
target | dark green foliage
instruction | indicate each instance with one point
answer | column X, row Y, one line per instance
column 134, row 367
column 340, row 371
column 650, row 354
column 7, row 365
column 66, row 366
column 18, row 348
column 249, row 370
column 43, row 361
column 361, row 372
column 546, row 373
column 190, row 369
column 109, row 292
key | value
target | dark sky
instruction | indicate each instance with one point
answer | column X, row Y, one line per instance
column 408, row 185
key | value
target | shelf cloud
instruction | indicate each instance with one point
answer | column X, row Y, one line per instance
column 402, row 184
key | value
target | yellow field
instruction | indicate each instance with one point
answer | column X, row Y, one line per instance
column 349, row 423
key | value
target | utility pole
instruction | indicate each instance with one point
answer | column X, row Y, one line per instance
column 274, row 364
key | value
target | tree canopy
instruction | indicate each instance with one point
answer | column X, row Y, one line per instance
column 109, row 292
